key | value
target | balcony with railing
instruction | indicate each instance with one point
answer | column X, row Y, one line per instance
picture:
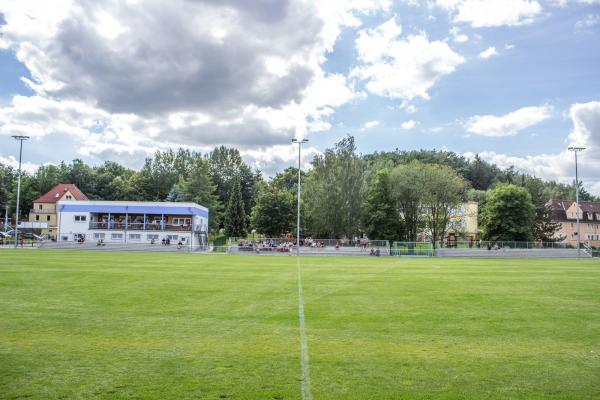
column 140, row 222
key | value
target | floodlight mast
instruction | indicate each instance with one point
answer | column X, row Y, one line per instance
column 575, row 149
column 20, row 139
column 299, row 142
column 6, row 217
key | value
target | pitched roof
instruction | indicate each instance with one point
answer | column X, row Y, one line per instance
column 588, row 206
column 560, row 207
column 56, row 193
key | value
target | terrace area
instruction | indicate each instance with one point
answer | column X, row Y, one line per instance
column 132, row 222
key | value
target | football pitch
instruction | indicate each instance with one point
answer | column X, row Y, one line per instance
column 114, row 325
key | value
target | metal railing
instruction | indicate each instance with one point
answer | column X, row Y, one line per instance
column 416, row 249
column 310, row 242
column 587, row 249
column 485, row 245
column 138, row 226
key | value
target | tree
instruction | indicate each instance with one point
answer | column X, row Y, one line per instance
column 174, row 194
column 508, row 214
column 7, row 177
column 111, row 181
column 235, row 216
column 227, row 163
column 545, row 227
column 480, row 174
column 381, row 219
column 334, row 191
column 200, row 189
column 406, row 192
column 443, row 191
column 288, row 179
column 81, row 175
column 274, row 213
column 46, row 177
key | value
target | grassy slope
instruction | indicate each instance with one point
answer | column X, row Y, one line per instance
column 117, row 325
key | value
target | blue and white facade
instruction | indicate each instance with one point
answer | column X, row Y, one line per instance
column 132, row 222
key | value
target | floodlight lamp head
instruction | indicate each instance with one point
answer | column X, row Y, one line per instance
column 20, row 137
column 576, row 148
column 299, row 140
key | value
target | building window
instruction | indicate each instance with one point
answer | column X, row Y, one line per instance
column 48, row 218
column 182, row 221
column 152, row 237
column 172, row 237
column 116, row 236
column 135, row 236
column 69, row 197
column 80, row 218
column 98, row 235
column 64, row 238
column 40, row 207
column 37, row 217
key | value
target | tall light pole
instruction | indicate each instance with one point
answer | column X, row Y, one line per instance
column 21, row 139
column 299, row 142
column 575, row 150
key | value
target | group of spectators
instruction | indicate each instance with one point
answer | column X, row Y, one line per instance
column 287, row 244
column 266, row 245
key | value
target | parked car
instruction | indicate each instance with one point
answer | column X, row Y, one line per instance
column 23, row 235
column 32, row 236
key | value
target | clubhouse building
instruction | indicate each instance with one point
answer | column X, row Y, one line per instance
column 132, row 222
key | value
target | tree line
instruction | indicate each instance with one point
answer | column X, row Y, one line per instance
column 391, row 195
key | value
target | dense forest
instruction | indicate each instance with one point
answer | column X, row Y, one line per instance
column 387, row 195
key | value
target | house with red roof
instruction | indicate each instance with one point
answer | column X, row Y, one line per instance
column 44, row 213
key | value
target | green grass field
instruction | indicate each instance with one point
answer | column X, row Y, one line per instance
column 101, row 325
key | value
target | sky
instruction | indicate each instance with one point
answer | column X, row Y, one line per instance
column 515, row 81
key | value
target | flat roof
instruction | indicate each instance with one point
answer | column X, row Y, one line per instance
column 133, row 207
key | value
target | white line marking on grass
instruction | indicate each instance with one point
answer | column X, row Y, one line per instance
column 304, row 361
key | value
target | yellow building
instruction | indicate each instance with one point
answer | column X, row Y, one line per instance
column 464, row 222
column 565, row 213
column 43, row 213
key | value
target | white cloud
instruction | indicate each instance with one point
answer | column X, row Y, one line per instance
column 405, row 106
column 589, row 21
column 247, row 74
column 402, row 69
column 410, row 124
column 11, row 161
column 488, row 53
column 509, row 124
column 457, row 35
column 492, row 13
column 369, row 125
column 561, row 166
column 564, row 3
column 271, row 160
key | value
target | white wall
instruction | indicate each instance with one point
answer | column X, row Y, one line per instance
column 69, row 228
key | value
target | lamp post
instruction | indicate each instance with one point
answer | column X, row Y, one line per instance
column 6, row 218
column 20, row 139
column 299, row 142
column 575, row 150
